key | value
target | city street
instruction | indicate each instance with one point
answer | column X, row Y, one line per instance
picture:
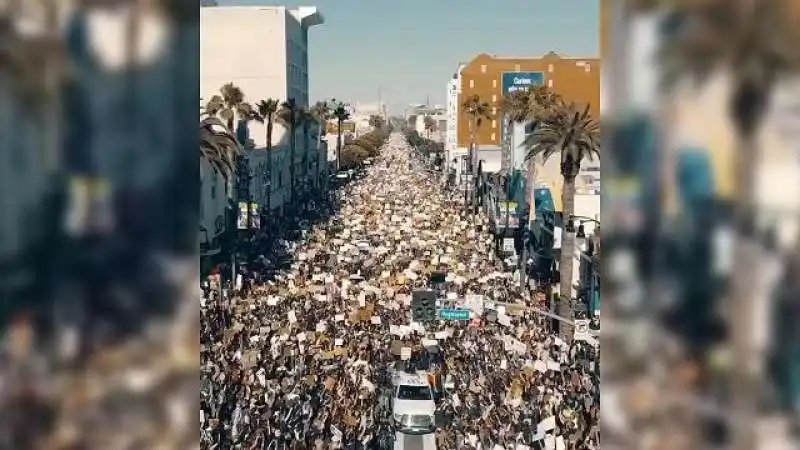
column 306, row 359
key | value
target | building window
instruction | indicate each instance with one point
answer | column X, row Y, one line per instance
column 550, row 83
column 493, row 136
column 550, row 68
column 494, row 110
column 494, row 83
column 494, row 123
column 471, row 84
column 483, row 68
column 494, row 97
column 587, row 68
column 516, row 68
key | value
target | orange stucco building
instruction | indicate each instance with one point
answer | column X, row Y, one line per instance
column 488, row 76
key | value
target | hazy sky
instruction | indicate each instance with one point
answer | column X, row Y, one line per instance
column 409, row 49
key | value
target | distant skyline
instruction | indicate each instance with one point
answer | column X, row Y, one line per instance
column 409, row 50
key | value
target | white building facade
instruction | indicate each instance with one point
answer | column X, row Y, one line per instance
column 263, row 50
column 451, row 147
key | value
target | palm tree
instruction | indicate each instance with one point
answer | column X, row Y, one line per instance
column 477, row 110
column 575, row 136
column 289, row 116
column 755, row 43
column 430, row 125
column 218, row 147
column 229, row 105
column 340, row 113
column 376, row 121
column 534, row 105
column 304, row 121
column 265, row 111
column 321, row 113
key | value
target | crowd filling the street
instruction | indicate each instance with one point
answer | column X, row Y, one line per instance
column 338, row 349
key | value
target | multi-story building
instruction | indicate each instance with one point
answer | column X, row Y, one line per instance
column 415, row 117
column 363, row 112
column 271, row 63
column 490, row 77
column 455, row 152
column 450, row 142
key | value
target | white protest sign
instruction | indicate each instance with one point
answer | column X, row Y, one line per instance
column 430, row 342
column 301, row 337
column 440, row 335
column 474, row 303
column 292, row 317
column 375, row 320
column 581, row 330
column 405, row 353
column 338, row 342
column 552, row 365
column 338, row 318
column 321, row 325
column 503, row 319
column 272, row 300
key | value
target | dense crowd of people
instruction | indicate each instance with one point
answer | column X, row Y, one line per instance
column 303, row 357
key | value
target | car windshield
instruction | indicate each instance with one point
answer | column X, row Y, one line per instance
column 414, row 393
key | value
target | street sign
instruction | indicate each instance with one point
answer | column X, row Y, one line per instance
column 454, row 314
column 508, row 245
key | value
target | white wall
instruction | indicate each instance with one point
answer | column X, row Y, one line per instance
column 245, row 46
column 264, row 51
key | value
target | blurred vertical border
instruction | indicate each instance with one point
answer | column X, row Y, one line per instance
column 701, row 213
column 99, row 202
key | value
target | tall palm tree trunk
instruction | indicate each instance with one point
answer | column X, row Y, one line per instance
column 567, row 257
column 269, row 166
column 527, row 232
column 744, row 293
column 292, row 151
column 470, row 199
column 339, row 145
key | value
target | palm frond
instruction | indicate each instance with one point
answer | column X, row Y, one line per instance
column 515, row 105
column 476, row 108
column 218, row 147
column 569, row 131
column 214, row 105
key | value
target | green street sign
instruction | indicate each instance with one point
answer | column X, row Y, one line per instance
column 454, row 314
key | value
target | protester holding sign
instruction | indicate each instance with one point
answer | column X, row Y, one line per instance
column 307, row 358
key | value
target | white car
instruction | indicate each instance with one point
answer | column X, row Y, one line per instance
column 413, row 407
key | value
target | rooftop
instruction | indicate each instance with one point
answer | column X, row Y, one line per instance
column 550, row 54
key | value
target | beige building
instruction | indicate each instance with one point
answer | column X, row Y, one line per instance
column 264, row 51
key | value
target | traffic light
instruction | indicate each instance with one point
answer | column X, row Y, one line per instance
column 423, row 306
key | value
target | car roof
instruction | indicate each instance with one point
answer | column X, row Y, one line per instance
column 412, row 379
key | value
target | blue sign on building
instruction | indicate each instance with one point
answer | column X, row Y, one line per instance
column 454, row 314
column 515, row 81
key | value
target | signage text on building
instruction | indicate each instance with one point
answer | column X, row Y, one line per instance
column 515, row 81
